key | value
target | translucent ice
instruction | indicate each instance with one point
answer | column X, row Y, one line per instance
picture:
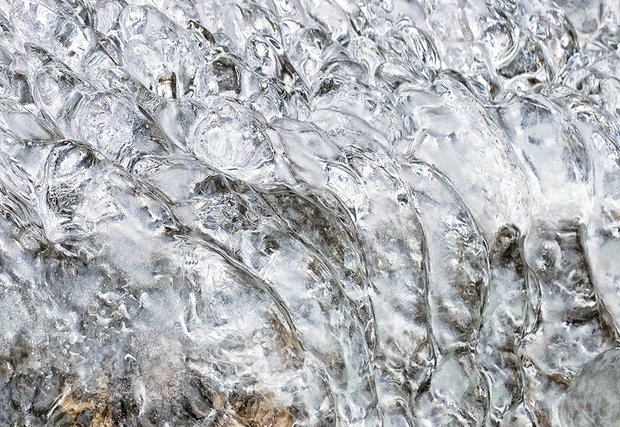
column 324, row 213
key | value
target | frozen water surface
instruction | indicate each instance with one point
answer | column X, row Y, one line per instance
column 254, row 213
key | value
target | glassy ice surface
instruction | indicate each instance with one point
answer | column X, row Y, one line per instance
column 285, row 213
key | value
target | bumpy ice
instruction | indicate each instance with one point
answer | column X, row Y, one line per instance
column 288, row 213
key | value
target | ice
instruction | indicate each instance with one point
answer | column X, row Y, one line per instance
column 289, row 213
column 506, row 318
column 457, row 266
column 590, row 399
column 452, row 141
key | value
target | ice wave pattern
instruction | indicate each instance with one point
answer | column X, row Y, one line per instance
column 287, row 213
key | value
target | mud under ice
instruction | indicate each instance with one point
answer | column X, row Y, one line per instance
column 254, row 213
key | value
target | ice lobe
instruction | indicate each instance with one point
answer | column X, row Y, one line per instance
column 309, row 213
column 591, row 397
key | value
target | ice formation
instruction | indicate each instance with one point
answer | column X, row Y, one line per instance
column 285, row 213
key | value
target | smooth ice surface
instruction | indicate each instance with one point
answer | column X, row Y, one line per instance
column 253, row 213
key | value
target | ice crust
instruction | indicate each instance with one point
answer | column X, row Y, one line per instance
column 323, row 213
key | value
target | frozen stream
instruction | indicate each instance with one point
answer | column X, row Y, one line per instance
column 278, row 213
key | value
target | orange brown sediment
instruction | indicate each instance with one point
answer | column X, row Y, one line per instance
column 99, row 411
column 252, row 411
column 97, row 405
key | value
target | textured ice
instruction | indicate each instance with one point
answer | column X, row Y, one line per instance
column 254, row 213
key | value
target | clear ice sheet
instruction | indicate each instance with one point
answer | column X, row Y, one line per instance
column 248, row 213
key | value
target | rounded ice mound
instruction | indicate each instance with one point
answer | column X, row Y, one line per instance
column 231, row 137
column 593, row 397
